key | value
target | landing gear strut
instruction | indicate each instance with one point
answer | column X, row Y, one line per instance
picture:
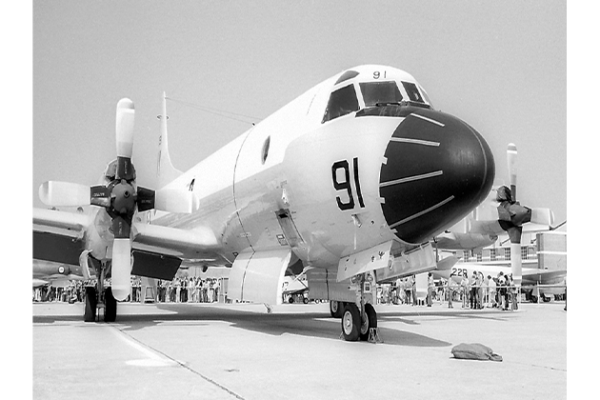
column 359, row 320
column 99, row 297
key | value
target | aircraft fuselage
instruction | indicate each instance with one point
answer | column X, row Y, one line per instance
column 358, row 160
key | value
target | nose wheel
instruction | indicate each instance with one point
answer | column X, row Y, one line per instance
column 360, row 323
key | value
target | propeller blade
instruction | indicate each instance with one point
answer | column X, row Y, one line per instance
column 511, row 158
column 64, row 194
column 121, row 228
column 121, row 268
column 516, row 263
column 124, row 132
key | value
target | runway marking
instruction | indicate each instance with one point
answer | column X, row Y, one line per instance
column 158, row 358
column 153, row 359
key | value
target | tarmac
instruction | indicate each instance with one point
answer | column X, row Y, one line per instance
column 241, row 351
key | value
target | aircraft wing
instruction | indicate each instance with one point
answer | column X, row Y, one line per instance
column 543, row 275
column 158, row 251
column 59, row 236
column 199, row 244
column 60, row 222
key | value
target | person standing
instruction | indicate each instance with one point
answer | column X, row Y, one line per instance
column 450, row 292
column 464, row 290
column 190, row 290
column 473, row 296
column 211, row 290
column 501, row 290
column 413, row 289
column 430, row 289
column 407, row 291
column 507, row 293
column 492, row 291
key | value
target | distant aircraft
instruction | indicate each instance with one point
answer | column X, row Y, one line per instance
column 536, row 280
column 48, row 272
column 352, row 179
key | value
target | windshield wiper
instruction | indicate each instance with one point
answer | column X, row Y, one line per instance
column 388, row 103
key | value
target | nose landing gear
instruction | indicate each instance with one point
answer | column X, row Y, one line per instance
column 359, row 319
column 99, row 297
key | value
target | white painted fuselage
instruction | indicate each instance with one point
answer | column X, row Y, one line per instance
column 322, row 177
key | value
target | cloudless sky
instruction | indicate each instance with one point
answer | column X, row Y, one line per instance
column 498, row 65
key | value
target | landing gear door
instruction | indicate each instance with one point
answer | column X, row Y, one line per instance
column 258, row 276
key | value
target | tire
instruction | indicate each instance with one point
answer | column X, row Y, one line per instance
column 336, row 308
column 90, row 304
column 110, row 311
column 305, row 300
column 351, row 323
column 369, row 322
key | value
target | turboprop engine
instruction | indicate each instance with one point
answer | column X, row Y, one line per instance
column 119, row 196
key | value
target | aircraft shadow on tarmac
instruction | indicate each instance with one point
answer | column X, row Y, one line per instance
column 315, row 324
column 311, row 324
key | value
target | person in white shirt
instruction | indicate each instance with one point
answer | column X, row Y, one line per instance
column 491, row 291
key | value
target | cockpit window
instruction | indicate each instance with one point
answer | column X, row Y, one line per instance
column 413, row 92
column 380, row 93
column 343, row 101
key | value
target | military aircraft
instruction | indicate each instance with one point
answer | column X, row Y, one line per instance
column 48, row 272
column 352, row 179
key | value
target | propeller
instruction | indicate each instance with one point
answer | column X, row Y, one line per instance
column 512, row 215
column 120, row 197
column 511, row 160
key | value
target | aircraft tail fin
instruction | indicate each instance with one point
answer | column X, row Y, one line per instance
column 165, row 172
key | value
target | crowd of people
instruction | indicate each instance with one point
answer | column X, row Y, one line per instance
column 189, row 290
column 475, row 292
column 179, row 290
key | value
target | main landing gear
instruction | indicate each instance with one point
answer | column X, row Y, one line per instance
column 359, row 320
column 100, row 298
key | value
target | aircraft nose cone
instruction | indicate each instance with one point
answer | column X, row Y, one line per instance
column 438, row 169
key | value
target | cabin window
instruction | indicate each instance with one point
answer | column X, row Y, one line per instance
column 341, row 102
column 346, row 75
column 265, row 149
